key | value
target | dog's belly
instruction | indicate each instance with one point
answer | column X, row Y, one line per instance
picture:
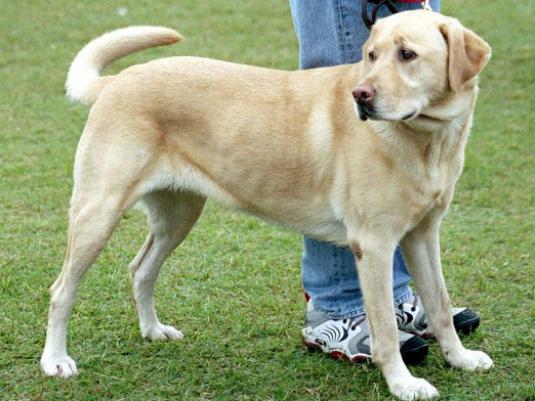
column 313, row 217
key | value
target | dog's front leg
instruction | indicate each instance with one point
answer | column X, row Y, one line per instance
column 421, row 248
column 374, row 257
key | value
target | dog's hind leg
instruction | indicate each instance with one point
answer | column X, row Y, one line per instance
column 108, row 178
column 91, row 224
column 171, row 217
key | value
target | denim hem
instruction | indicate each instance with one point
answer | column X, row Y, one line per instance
column 359, row 310
column 351, row 313
column 406, row 295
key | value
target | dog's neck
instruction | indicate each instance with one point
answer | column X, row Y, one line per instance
column 445, row 114
column 436, row 136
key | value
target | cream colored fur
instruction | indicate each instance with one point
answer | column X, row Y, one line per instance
column 287, row 147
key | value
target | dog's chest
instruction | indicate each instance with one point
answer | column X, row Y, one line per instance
column 431, row 192
column 434, row 181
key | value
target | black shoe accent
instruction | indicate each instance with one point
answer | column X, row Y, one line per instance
column 414, row 350
column 466, row 321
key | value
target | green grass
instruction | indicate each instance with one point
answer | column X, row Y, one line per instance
column 234, row 285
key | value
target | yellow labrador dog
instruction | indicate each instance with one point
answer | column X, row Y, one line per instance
column 288, row 147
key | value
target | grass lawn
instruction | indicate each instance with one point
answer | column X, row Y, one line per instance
column 234, row 286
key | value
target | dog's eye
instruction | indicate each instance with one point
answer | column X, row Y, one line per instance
column 407, row 54
column 371, row 56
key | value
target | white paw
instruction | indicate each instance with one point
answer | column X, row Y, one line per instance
column 470, row 360
column 413, row 388
column 162, row 332
column 61, row 367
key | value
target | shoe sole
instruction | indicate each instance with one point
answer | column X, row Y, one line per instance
column 337, row 355
column 414, row 357
column 469, row 326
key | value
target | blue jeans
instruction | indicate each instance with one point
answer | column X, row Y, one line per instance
column 332, row 32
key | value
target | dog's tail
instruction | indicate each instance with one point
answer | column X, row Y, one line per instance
column 84, row 82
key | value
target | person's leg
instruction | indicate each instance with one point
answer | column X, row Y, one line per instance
column 328, row 272
column 332, row 33
column 329, row 34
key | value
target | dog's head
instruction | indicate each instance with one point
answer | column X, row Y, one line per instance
column 414, row 59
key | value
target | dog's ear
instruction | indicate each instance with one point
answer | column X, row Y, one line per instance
column 467, row 53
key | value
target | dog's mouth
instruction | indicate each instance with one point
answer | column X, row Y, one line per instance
column 408, row 116
column 364, row 111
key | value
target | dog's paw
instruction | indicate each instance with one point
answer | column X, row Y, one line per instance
column 413, row 388
column 162, row 332
column 61, row 367
column 470, row 360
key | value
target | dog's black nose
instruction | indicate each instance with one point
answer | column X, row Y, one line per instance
column 364, row 93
